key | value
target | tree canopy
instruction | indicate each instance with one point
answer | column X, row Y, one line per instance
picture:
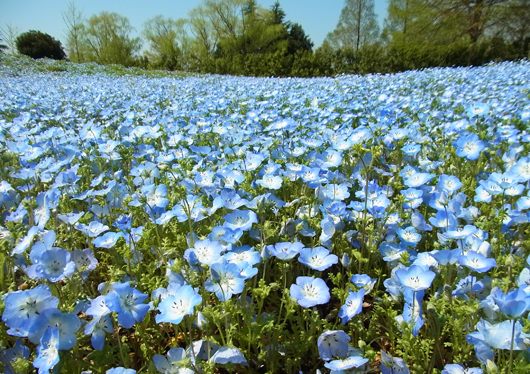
column 36, row 44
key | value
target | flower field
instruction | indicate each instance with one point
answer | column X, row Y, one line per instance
column 216, row 224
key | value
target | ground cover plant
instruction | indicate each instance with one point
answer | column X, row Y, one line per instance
column 220, row 224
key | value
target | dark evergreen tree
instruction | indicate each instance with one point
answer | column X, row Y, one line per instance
column 36, row 44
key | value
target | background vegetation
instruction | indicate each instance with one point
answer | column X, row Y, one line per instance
column 240, row 37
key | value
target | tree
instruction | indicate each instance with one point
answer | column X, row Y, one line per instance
column 3, row 47
column 73, row 18
column 164, row 36
column 10, row 37
column 36, row 44
column 357, row 25
column 106, row 40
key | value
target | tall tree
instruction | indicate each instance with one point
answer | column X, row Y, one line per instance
column 165, row 37
column 357, row 25
column 107, row 40
column 73, row 18
column 10, row 37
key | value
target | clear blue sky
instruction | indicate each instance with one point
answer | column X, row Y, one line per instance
column 317, row 17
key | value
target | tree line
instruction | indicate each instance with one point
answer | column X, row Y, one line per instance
column 240, row 37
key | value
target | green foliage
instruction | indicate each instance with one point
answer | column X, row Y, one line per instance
column 36, row 44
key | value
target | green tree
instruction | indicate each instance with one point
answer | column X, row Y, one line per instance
column 513, row 25
column 357, row 26
column 36, row 44
column 3, row 47
column 106, row 40
column 73, row 18
column 165, row 37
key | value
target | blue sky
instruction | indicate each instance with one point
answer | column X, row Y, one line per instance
column 317, row 17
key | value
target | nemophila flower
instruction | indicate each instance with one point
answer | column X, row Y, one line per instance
column 240, row 219
column 127, row 302
column 449, row 183
column 336, row 191
column 309, row 291
column 53, row 264
column 231, row 199
column 409, row 236
column 70, row 218
column 352, row 306
column 225, row 280
column 411, row 149
column 174, row 307
column 171, row 364
column 392, row 365
column 317, row 258
column 93, row 229
column 469, row 146
column 418, row 179
column 224, row 355
column 412, row 310
column 444, row 220
column 84, row 261
column 66, row 323
column 364, row 281
column 270, row 181
column 522, row 168
column 243, row 253
column 285, row 250
column 98, row 328
column 514, row 304
column 352, row 362
column 460, row 233
column 459, row 369
column 12, row 355
column 413, row 198
column 333, row 344
column 204, row 252
column 496, row 336
column 477, row 262
column 202, row 350
column 464, row 286
column 47, row 351
column 391, row 251
column 23, row 307
column 107, row 240
column 416, row 278
column 120, row 370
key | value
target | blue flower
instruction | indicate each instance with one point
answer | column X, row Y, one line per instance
column 415, row 278
column 477, row 262
column 392, row 365
column 317, row 258
column 174, row 307
column 127, row 302
column 225, row 355
column 225, row 280
column 309, row 291
column 333, row 344
column 240, row 219
column 285, row 250
column 47, row 351
column 23, row 307
column 120, row 370
column 352, row 306
column 107, row 240
column 351, row 362
column 170, row 365
column 67, row 325
column 98, row 328
column 469, row 146
column 459, row 369
column 204, row 252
